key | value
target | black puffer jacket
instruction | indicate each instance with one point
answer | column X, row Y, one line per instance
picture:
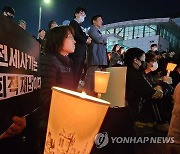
column 138, row 89
column 55, row 70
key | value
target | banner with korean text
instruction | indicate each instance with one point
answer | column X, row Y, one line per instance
column 19, row 79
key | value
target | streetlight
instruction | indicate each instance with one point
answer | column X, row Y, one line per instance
column 40, row 12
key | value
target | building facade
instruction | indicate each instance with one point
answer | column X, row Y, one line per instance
column 142, row 33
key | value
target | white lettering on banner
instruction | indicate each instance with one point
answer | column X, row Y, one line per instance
column 17, row 59
column 13, row 58
column 17, row 84
column 3, row 56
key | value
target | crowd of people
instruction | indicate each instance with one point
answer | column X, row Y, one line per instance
column 69, row 55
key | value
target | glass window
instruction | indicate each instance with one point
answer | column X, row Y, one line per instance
column 150, row 30
column 167, row 35
column 171, row 38
column 138, row 31
column 111, row 31
column 103, row 32
column 164, row 34
column 120, row 42
column 174, row 41
column 120, row 32
column 161, row 32
column 128, row 33
column 110, row 42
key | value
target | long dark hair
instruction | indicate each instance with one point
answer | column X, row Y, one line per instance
column 114, row 48
column 55, row 38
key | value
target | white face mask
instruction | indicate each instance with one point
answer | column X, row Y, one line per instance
column 154, row 67
column 155, row 49
column 81, row 19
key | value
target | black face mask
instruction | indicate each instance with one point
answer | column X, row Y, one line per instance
column 143, row 66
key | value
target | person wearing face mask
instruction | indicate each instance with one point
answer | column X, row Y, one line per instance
column 8, row 12
column 154, row 67
column 151, row 73
column 139, row 90
column 140, row 93
column 151, row 67
column 161, row 108
column 79, row 55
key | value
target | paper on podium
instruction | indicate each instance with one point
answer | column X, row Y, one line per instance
column 116, row 87
column 74, row 121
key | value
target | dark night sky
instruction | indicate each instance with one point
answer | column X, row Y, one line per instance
column 111, row 10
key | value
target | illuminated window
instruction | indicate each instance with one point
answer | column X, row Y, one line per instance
column 171, row 38
column 103, row 32
column 111, row 31
column 161, row 32
column 138, row 31
column 120, row 32
column 173, row 41
column 120, row 42
column 128, row 33
column 150, row 30
column 167, row 35
column 164, row 34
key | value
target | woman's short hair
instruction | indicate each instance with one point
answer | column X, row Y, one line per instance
column 55, row 38
column 131, row 54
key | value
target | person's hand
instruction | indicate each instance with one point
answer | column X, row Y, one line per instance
column 158, row 93
column 167, row 79
column 88, row 41
column 105, row 41
column 19, row 123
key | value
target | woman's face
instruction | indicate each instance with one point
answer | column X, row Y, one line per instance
column 139, row 61
column 68, row 45
column 117, row 47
